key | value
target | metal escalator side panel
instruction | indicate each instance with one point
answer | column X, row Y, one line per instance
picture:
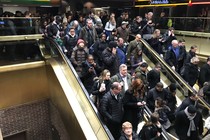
column 85, row 115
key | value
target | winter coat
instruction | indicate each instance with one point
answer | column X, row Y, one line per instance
column 133, row 112
column 191, row 73
column 182, row 124
column 110, row 61
column 112, row 108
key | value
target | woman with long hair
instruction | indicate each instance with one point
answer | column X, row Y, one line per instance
column 101, row 86
column 110, row 25
column 136, row 59
column 133, row 102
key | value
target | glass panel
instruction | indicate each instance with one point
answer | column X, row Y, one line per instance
column 195, row 24
column 21, row 51
column 21, row 25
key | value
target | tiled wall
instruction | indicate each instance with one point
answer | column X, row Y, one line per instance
column 34, row 118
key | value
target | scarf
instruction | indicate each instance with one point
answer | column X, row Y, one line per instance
column 192, row 124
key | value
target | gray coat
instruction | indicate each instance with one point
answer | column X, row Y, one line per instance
column 118, row 78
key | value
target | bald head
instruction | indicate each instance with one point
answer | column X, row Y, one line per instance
column 138, row 37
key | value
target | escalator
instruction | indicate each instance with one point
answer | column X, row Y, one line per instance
column 168, row 75
column 51, row 81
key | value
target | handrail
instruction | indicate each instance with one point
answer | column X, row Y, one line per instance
column 21, row 37
column 189, row 17
column 83, row 88
column 174, row 73
column 165, row 133
column 20, row 17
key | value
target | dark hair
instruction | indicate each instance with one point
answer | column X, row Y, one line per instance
column 181, row 40
column 157, row 65
column 208, row 59
column 160, row 102
column 100, row 36
column 115, row 85
column 144, row 64
column 154, row 118
column 193, row 47
column 159, row 84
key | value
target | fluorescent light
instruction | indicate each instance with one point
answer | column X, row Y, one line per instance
column 195, row 3
column 161, row 5
column 45, row 6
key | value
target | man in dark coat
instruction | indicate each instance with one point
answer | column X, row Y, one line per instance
column 204, row 73
column 112, row 109
column 133, row 46
column 189, row 124
column 191, row 71
column 172, row 55
column 154, row 93
column 99, row 47
column 153, row 76
column 88, row 33
column 191, row 100
column 110, row 59
column 141, row 72
column 190, row 54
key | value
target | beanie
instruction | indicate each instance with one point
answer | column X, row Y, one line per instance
column 80, row 41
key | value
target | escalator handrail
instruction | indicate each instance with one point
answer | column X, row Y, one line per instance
column 154, row 53
column 64, row 57
column 186, row 18
column 165, row 133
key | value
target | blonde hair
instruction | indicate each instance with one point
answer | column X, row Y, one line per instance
column 155, row 33
column 126, row 125
column 194, row 59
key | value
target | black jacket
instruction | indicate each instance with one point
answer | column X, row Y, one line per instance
column 186, row 102
column 87, row 76
column 132, row 111
column 153, row 77
column 112, row 108
column 152, row 95
column 110, row 61
column 182, row 124
column 191, row 73
column 123, row 137
column 204, row 74
column 149, row 132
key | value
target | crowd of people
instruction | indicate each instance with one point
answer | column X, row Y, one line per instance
column 100, row 48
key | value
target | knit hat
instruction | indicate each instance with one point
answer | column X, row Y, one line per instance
column 112, row 44
column 191, row 109
column 124, row 22
column 80, row 41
